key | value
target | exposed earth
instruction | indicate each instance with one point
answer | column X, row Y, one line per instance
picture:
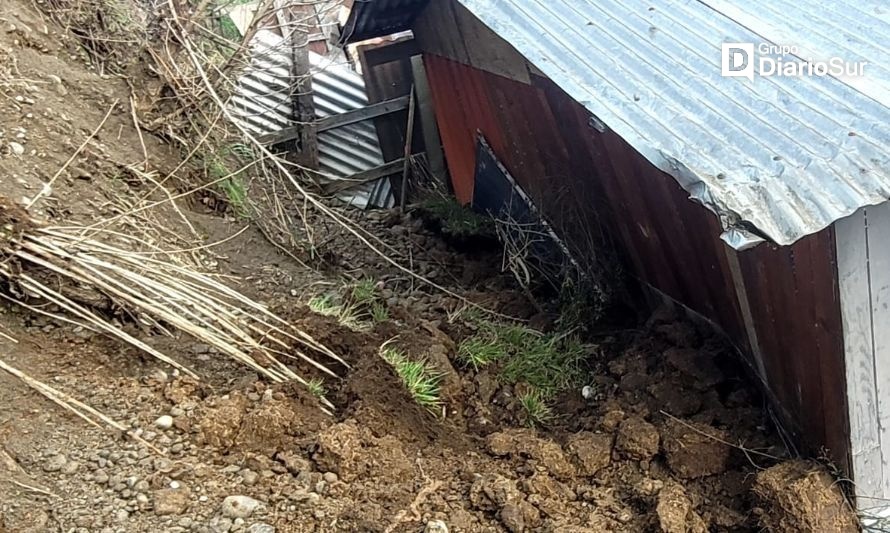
column 669, row 435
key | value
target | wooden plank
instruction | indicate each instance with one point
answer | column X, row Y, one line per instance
column 365, row 113
column 342, row 119
column 856, row 313
column 386, row 169
column 428, row 124
column 735, row 268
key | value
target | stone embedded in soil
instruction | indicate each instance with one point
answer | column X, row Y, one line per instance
column 239, row 506
column 164, row 422
column 170, row 501
column 611, row 420
column 693, row 450
column 543, row 485
column 800, row 496
column 260, row 527
column 524, row 442
column 518, row 515
column 55, row 463
column 591, row 451
column 293, row 462
column 435, row 526
column 675, row 512
column 490, row 492
column 637, row 439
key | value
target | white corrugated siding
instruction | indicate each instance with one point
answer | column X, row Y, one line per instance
column 264, row 102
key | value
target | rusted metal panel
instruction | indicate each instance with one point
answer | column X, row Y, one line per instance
column 548, row 143
column 795, row 306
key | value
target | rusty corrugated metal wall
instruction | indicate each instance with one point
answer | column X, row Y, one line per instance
column 586, row 180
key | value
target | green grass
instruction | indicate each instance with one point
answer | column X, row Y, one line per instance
column 544, row 363
column 231, row 184
column 316, row 387
column 457, row 220
column 420, row 379
column 536, row 408
column 548, row 362
column 357, row 305
column 479, row 351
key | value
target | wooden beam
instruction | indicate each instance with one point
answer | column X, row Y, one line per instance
column 429, row 126
column 386, row 169
column 342, row 119
column 365, row 113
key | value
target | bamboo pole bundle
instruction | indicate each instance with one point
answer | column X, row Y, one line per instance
column 161, row 292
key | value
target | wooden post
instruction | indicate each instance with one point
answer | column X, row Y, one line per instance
column 301, row 74
column 409, row 137
column 428, row 124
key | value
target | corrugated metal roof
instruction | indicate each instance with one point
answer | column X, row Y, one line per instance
column 351, row 149
column 781, row 156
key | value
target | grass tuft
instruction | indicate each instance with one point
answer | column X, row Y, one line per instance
column 316, row 387
column 548, row 362
column 420, row 379
column 357, row 305
column 536, row 407
column 457, row 220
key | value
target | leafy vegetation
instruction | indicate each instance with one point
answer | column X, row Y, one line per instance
column 420, row 379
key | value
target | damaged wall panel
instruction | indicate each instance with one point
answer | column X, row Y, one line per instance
column 582, row 177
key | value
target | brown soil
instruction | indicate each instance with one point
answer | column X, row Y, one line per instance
column 648, row 453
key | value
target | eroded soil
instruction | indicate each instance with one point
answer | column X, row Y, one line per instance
column 657, row 447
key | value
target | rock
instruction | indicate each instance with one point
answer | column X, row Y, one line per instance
column 490, row 492
column 293, row 462
column 690, row 452
column 260, row 527
column 239, row 506
column 220, row 524
column 16, row 148
column 637, row 439
column 611, row 420
column 330, row 477
column 164, row 422
column 591, row 451
column 249, row 477
column 800, row 496
column 55, row 463
column 519, row 515
column 675, row 513
column 435, row 526
column 171, row 501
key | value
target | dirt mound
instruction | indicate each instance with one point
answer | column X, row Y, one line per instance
column 799, row 496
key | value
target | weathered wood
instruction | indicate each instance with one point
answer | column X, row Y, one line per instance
column 381, row 171
column 741, row 291
column 856, row 311
column 365, row 113
column 343, row 119
column 429, row 127
column 304, row 106
column 406, row 167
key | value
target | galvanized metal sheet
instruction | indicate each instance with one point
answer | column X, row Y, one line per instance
column 263, row 100
column 778, row 157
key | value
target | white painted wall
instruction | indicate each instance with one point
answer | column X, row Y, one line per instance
column 863, row 256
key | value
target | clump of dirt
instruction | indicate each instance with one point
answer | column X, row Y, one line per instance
column 799, row 496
